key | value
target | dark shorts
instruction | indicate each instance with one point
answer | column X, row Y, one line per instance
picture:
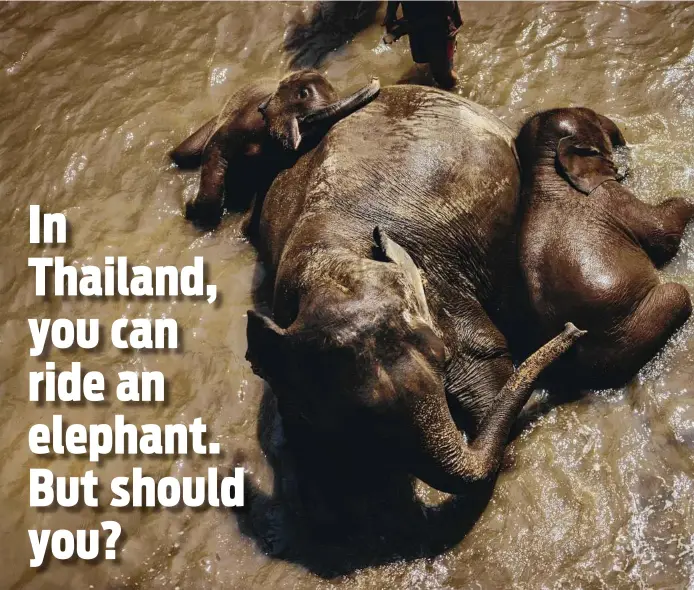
column 428, row 49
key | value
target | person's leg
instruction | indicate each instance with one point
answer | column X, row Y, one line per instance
column 441, row 62
column 419, row 48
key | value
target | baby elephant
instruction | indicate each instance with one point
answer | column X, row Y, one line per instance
column 258, row 132
column 589, row 249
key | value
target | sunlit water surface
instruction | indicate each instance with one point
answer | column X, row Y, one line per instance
column 597, row 494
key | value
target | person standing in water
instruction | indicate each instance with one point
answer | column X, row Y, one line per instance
column 432, row 28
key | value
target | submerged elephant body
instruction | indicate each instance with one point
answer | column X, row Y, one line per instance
column 386, row 244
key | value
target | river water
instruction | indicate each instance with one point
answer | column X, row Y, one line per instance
column 596, row 494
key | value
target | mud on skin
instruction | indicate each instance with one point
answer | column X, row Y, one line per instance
column 598, row 494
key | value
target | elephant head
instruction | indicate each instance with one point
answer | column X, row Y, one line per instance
column 366, row 360
column 304, row 101
column 581, row 142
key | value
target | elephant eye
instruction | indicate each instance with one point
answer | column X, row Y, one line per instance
column 303, row 93
column 587, row 151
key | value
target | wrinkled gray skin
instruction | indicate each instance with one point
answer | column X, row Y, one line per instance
column 589, row 249
column 259, row 131
column 385, row 244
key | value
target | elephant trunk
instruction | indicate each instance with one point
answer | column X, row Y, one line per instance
column 340, row 109
column 446, row 461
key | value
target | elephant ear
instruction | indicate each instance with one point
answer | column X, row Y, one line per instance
column 621, row 153
column 583, row 165
column 266, row 344
column 610, row 127
column 395, row 253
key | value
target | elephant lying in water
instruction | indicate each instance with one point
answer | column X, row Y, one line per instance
column 386, row 251
column 249, row 141
column 589, row 249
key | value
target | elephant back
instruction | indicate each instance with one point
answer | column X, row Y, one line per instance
column 438, row 172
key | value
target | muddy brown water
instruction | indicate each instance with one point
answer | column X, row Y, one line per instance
column 597, row 494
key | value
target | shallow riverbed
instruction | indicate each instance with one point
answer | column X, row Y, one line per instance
column 597, row 494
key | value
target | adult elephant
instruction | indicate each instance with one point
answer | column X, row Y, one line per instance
column 387, row 245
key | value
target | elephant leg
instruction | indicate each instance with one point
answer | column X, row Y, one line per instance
column 479, row 369
column 188, row 154
column 659, row 315
column 663, row 241
column 206, row 208
column 472, row 387
column 658, row 228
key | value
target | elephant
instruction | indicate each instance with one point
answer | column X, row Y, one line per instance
column 589, row 249
column 385, row 251
column 255, row 134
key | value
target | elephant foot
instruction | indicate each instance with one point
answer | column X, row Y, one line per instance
column 184, row 160
column 203, row 213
